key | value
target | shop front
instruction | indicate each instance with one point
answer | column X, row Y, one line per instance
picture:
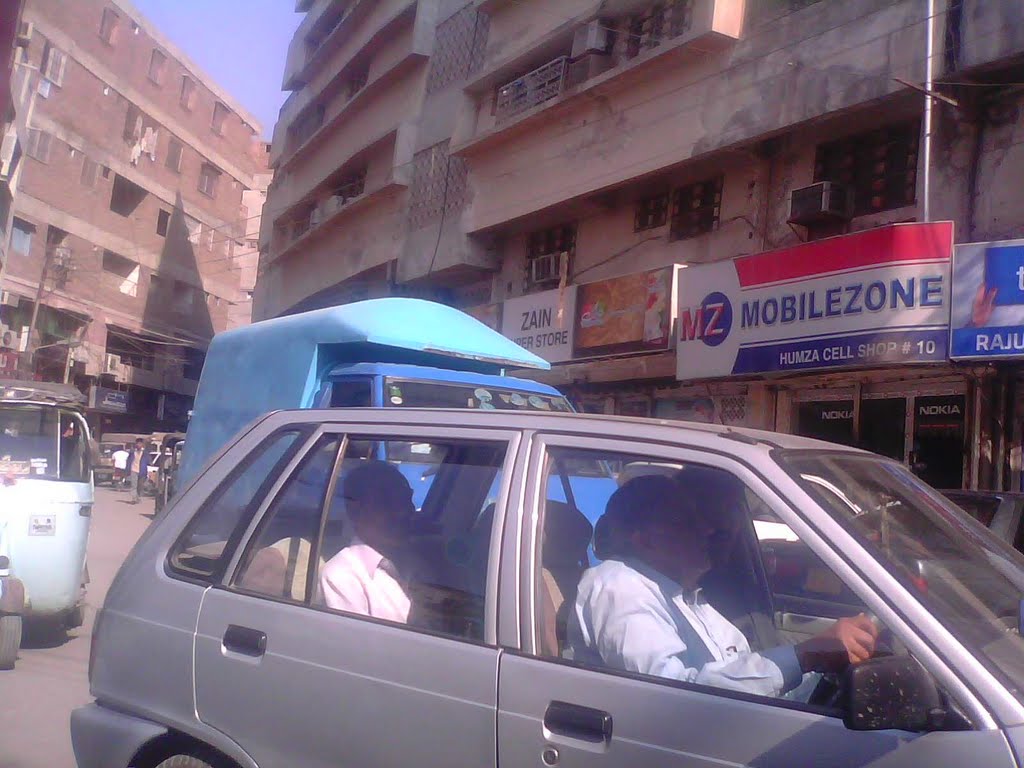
column 987, row 329
column 610, row 341
column 844, row 340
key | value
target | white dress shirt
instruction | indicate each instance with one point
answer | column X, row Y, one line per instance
column 630, row 617
column 353, row 581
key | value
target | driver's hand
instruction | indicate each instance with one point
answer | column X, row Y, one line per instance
column 849, row 641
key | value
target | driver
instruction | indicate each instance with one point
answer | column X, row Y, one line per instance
column 642, row 610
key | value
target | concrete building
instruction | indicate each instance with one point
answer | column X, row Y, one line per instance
column 14, row 103
column 547, row 166
column 132, row 216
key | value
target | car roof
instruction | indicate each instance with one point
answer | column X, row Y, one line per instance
column 658, row 430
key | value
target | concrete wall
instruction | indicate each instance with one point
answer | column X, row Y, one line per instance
column 824, row 59
column 380, row 114
column 382, row 60
column 372, row 236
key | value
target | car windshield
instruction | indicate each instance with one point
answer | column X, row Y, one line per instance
column 968, row 579
column 408, row 393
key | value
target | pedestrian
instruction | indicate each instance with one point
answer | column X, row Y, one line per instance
column 120, row 459
column 138, row 465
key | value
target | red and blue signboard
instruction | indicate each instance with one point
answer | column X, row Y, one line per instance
column 879, row 297
column 988, row 293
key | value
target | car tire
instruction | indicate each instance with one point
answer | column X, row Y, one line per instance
column 75, row 618
column 184, row 761
column 10, row 640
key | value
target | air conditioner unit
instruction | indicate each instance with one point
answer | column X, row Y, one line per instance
column 24, row 38
column 547, row 268
column 112, row 363
column 8, row 337
column 821, row 202
column 590, row 38
column 7, row 146
column 9, row 299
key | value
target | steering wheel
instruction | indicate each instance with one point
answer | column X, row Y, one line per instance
column 829, row 691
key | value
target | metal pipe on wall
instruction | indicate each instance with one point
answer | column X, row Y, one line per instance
column 926, row 149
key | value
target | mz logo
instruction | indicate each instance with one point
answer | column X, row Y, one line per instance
column 710, row 322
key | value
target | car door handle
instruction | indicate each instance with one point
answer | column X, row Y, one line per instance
column 246, row 641
column 578, row 722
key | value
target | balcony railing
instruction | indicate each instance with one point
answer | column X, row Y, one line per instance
column 533, row 88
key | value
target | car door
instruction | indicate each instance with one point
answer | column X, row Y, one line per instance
column 580, row 713
column 298, row 684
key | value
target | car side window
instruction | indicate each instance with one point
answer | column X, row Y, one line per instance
column 408, row 533
column 277, row 559
column 680, row 583
column 202, row 550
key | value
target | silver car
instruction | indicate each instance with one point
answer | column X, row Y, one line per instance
column 275, row 617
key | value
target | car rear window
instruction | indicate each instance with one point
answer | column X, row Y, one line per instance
column 981, row 508
column 205, row 547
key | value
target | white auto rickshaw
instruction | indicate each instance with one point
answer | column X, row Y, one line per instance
column 46, row 500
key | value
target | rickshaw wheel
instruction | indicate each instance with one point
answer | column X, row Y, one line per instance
column 10, row 640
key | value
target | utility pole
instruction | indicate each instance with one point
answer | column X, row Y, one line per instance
column 27, row 355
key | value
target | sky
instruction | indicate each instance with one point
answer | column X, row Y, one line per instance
column 241, row 44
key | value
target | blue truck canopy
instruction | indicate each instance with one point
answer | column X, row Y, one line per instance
column 281, row 363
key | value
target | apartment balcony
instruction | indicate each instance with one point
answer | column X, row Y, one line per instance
column 335, row 94
column 644, row 35
column 532, row 89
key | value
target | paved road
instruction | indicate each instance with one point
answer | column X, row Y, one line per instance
column 50, row 680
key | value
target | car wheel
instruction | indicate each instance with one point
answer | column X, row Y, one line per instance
column 75, row 617
column 184, row 761
column 10, row 640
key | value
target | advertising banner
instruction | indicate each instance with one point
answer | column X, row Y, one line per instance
column 542, row 323
column 988, row 300
column 108, row 400
column 632, row 313
column 876, row 297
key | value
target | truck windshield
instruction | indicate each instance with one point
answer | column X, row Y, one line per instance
column 407, row 393
column 39, row 442
column 965, row 576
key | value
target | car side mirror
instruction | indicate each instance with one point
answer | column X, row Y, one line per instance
column 891, row 692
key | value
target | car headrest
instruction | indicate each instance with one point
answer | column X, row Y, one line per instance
column 567, row 534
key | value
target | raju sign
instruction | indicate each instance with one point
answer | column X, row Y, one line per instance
column 875, row 297
column 988, row 296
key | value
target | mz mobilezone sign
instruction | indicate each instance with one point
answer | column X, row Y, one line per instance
column 875, row 297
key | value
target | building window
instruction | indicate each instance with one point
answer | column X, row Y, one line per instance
column 220, row 115
column 880, row 167
column 55, row 61
column 106, row 172
column 174, row 152
column 651, row 213
column 90, row 172
column 163, row 219
column 183, row 298
column 108, row 26
column 121, row 273
column 307, row 123
column 208, row 177
column 187, row 97
column 21, row 237
column 696, row 209
column 125, row 196
column 357, row 79
column 549, row 255
column 38, row 145
column 157, row 65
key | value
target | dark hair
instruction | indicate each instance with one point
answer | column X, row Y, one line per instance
column 364, row 481
column 636, row 504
